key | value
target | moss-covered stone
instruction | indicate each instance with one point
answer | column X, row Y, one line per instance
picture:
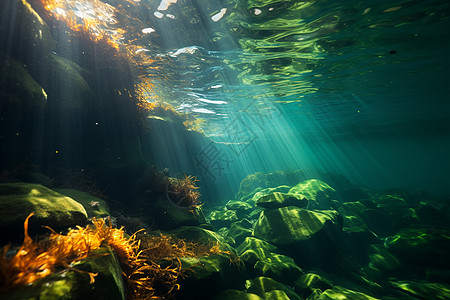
column 253, row 250
column 425, row 246
column 353, row 216
column 424, row 290
column 310, row 282
column 222, row 218
column 276, row 295
column 18, row 200
column 95, row 207
column 382, row 262
column 242, row 208
column 339, row 292
column 236, row 295
column 277, row 200
column 240, row 230
column 19, row 91
column 267, row 191
column 288, row 225
column 208, row 274
column 310, row 237
column 318, row 193
column 280, row 267
column 261, row 285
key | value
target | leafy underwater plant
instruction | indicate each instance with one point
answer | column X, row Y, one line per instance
column 151, row 264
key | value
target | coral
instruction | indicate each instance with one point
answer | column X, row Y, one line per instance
column 150, row 264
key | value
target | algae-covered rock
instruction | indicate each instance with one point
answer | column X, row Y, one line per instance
column 236, row 295
column 19, row 91
column 310, row 237
column 242, row 208
column 279, row 267
column 253, row 250
column 277, row 200
column 25, row 31
column 73, row 285
column 276, row 295
column 318, row 193
column 288, row 225
column 425, row 246
column 222, row 218
column 261, row 285
column 342, row 293
column 95, row 207
column 267, row 191
column 240, row 230
column 208, row 274
column 353, row 214
column 18, row 200
column 424, row 290
column 166, row 215
column 310, row 282
column 381, row 262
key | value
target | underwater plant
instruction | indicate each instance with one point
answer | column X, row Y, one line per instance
column 151, row 265
column 183, row 192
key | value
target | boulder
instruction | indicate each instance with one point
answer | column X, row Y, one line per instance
column 18, row 200
column 261, row 285
column 310, row 282
column 318, row 193
column 267, row 191
column 240, row 230
column 242, row 208
column 253, row 250
column 424, row 290
column 307, row 236
column 339, row 292
column 222, row 218
column 421, row 246
column 277, row 200
column 95, row 207
column 279, row 267
column 236, row 295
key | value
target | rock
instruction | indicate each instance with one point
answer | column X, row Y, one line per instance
column 310, row 282
column 236, row 295
column 72, row 285
column 196, row 234
column 240, row 230
column 339, row 292
column 424, row 290
column 426, row 246
column 18, row 200
column 258, row 181
column 279, row 267
column 27, row 34
column 222, row 218
column 382, row 263
column 353, row 216
column 208, row 274
column 276, row 295
column 277, row 200
column 318, row 193
column 261, row 285
column 308, row 236
column 19, row 90
column 242, row 208
column 252, row 250
column 166, row 215
column 267, row 191
column 95, row 207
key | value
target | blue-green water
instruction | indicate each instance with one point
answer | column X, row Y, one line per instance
column 359, row 88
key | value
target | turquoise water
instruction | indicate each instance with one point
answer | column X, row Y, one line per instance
column 302, row 147
column 359, row 88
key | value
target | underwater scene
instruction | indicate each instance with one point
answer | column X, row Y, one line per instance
column 225, row 149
